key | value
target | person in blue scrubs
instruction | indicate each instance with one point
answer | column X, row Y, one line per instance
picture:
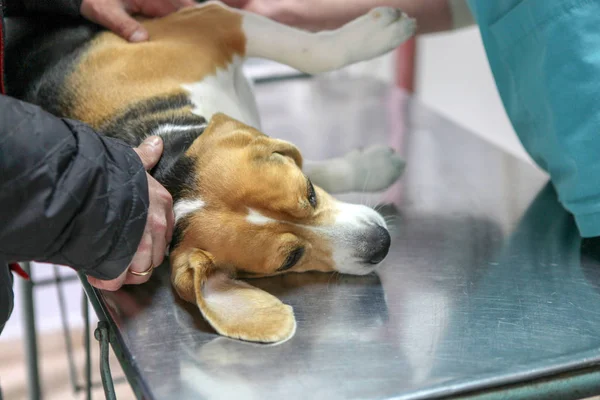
column 545, row 58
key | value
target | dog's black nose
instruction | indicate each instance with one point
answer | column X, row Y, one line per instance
column 380, row 245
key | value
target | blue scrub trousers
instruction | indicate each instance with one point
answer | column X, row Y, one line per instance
column 545, row 58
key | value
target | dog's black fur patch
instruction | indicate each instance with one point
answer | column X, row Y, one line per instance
column 176, row 175
column 42, row 51
column 139, row 120
column 179, row 231
column 174, row 170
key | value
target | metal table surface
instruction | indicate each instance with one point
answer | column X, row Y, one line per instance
column 485, row 285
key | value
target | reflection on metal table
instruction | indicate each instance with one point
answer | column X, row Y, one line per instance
column 485, row 286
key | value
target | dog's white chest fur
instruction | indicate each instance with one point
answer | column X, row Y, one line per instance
column 227, row 91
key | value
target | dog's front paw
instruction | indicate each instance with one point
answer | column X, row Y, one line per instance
column 375, row 168
column 381, row 18
column 378, row 32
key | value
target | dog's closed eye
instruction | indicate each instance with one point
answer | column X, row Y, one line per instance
column 292, row 259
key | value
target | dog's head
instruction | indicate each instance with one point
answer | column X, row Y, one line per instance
column 250, row 211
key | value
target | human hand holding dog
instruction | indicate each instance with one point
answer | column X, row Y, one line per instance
column 159, row 225
column 115, row 14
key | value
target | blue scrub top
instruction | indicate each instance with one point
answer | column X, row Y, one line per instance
column 545, row 58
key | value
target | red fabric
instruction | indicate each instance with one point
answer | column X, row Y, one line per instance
column 405, row 63
column 16, row 268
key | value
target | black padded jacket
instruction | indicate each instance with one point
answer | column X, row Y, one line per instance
column 67, row 195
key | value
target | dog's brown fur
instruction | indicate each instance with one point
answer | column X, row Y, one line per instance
column 185, row 47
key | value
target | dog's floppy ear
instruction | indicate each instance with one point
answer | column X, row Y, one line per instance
column 232, row 307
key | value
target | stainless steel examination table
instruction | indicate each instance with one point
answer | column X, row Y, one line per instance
column 486, row 292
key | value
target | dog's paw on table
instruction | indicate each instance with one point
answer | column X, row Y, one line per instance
column 375, row 168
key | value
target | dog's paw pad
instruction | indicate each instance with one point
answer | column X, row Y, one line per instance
column 385, row 15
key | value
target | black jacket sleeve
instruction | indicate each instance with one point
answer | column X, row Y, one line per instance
column 67, row 195
column 14, row 8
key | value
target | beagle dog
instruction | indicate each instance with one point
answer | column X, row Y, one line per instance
column 246, row 205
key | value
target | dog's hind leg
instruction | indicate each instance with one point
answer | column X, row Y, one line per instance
column 369, row 36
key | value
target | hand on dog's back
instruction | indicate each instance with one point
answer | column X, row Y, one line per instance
column 114, row 14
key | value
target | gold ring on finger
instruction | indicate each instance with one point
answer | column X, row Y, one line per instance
column 143, row 273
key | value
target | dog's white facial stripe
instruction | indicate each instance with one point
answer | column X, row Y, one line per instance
column 185, row 207
column 350, row 219
column 357, row 214
column 256, row 218
column 169, row 128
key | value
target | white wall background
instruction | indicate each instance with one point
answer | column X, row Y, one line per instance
column 453, row 79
